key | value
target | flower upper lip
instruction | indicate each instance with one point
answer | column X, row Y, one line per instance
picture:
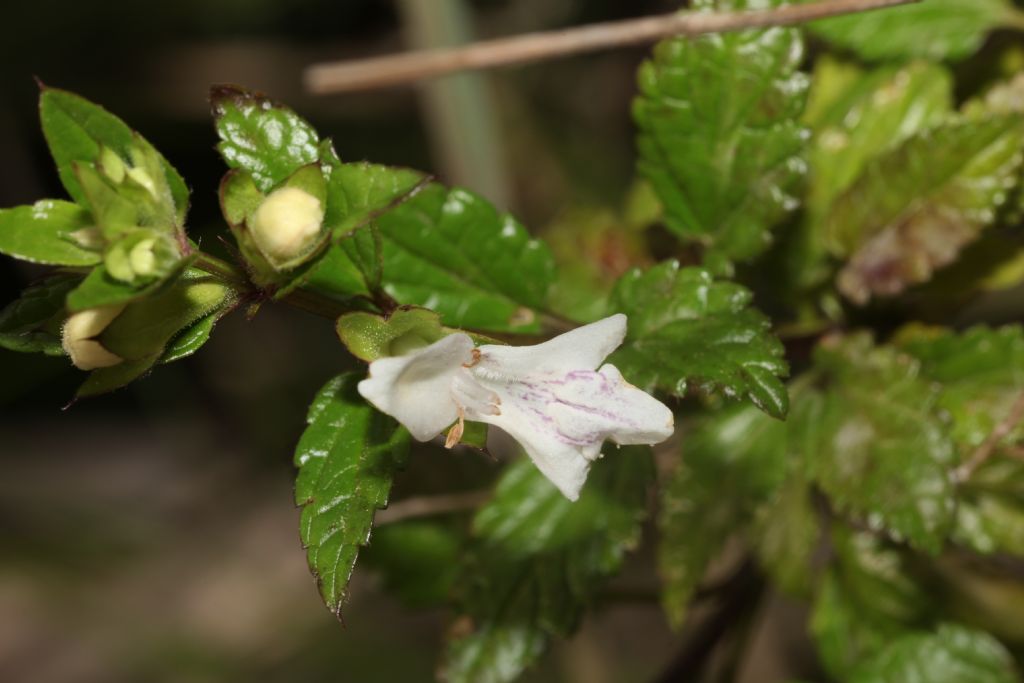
column 551, row 397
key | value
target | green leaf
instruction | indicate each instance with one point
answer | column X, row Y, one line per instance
column 44, row 233
column 731, row 462
column 981, row 372
column 452, row 252
column 539, row 559
column 261, row 136
column 952, row 654
column 686, row 327
column 32, row 322
column 77, row 130
column 876, row 112
column 418, row 561
column 866, row 599
column 912, row 209
column 935, row 30
column 882, row 452
column 856, row 116
column 346, row 458
column 719, row 132
column 358, row 192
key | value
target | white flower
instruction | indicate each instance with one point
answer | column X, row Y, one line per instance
column 78, row 337
column 551, row 398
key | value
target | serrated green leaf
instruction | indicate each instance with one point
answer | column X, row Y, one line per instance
column 539, row 559
column 77, row 130
column 936, row 29
column 731, row 462
column 453, row 252
column 952, row 654
column 261, row 136
column 883, row 452
column 32, row 322
column 913, row 208
column 719, row 132
column 346, row 458
column 685, row 327
column 44, row 233
column 866, row 599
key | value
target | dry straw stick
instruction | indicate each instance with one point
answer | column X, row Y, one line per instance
column 409, row 67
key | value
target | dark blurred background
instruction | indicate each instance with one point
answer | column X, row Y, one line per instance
column 149, row 535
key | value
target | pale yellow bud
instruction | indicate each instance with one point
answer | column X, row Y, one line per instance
column 286, row 224
column 78, row 337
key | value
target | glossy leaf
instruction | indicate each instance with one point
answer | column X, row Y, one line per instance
column 44, row 233
column 539, row 559
column 32, row 322
column 452, row 252
column 346, row 458
column 719, row 132
column 730, row 463
column 358, row 192
column 685, row 327
column 261, row 136
column 882, row 451
column 952, row 654
column 77, row 130
column 936, row 29
column 914, row 208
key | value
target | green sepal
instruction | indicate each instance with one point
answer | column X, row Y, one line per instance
column 77, row 131
column 368, row 336
column 99, row 288
column 145, row 331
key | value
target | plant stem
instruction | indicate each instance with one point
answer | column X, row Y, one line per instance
column 983, row 452
column 381, row 72
column 429, row 506
column 230, row 274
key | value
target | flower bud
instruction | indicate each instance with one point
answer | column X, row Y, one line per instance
column 287, row 224
column 79, row 337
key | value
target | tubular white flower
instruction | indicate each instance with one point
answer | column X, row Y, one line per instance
column 78, row 338
column 551, row 397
